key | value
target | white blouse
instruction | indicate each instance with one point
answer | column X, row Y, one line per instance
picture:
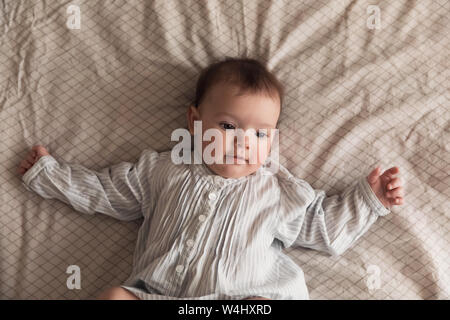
column 208, row 237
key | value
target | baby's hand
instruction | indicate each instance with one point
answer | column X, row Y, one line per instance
column 32, row 157
column 388, row 189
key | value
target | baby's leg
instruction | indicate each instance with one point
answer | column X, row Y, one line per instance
column 117, row 293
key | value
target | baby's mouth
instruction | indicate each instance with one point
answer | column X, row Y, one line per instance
column 236, row 159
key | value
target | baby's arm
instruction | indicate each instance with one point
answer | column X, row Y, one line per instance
column 115, row 191
column 330, row 224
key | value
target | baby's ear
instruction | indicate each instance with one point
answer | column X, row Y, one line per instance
column 192, row 115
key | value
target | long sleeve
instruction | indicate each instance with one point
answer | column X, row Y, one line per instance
column 116, row 191
column 310, row 219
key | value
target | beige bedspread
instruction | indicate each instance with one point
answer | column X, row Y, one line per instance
column 365, row 86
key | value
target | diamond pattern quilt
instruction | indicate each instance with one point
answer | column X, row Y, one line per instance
column 96, row 82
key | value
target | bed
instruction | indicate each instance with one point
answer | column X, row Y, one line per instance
column 96, row 82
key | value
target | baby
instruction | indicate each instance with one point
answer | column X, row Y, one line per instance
column 217, row 230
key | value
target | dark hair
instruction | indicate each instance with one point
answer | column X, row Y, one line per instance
column 248, row 74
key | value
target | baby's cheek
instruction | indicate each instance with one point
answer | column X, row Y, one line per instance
column 212, row 150
column 261, row 151
column 228, row 142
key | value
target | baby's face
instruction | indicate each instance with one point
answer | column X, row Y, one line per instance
column 222, row 109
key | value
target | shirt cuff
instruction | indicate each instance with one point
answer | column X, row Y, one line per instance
column 35, row 169
column 371, row 198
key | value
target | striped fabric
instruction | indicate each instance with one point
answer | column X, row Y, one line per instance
column 207, row 237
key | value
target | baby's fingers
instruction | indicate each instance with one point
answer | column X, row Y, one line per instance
column 394, row 183
column 31, row 157
column 40, row 150
column 390, row 173
column 23, row 167
column 26, row 164
column 396, row 201
column 397, row 192
column 21, row 170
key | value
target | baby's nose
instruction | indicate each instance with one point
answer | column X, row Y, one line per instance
column 241, row 141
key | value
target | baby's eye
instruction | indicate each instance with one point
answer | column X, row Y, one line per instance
column 261, row 134
column 227, row 126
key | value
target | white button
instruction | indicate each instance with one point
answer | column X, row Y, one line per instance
column 190, row 243
column 201, row 217
column 179, row 268
column 217, row 179
column 212, row 196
